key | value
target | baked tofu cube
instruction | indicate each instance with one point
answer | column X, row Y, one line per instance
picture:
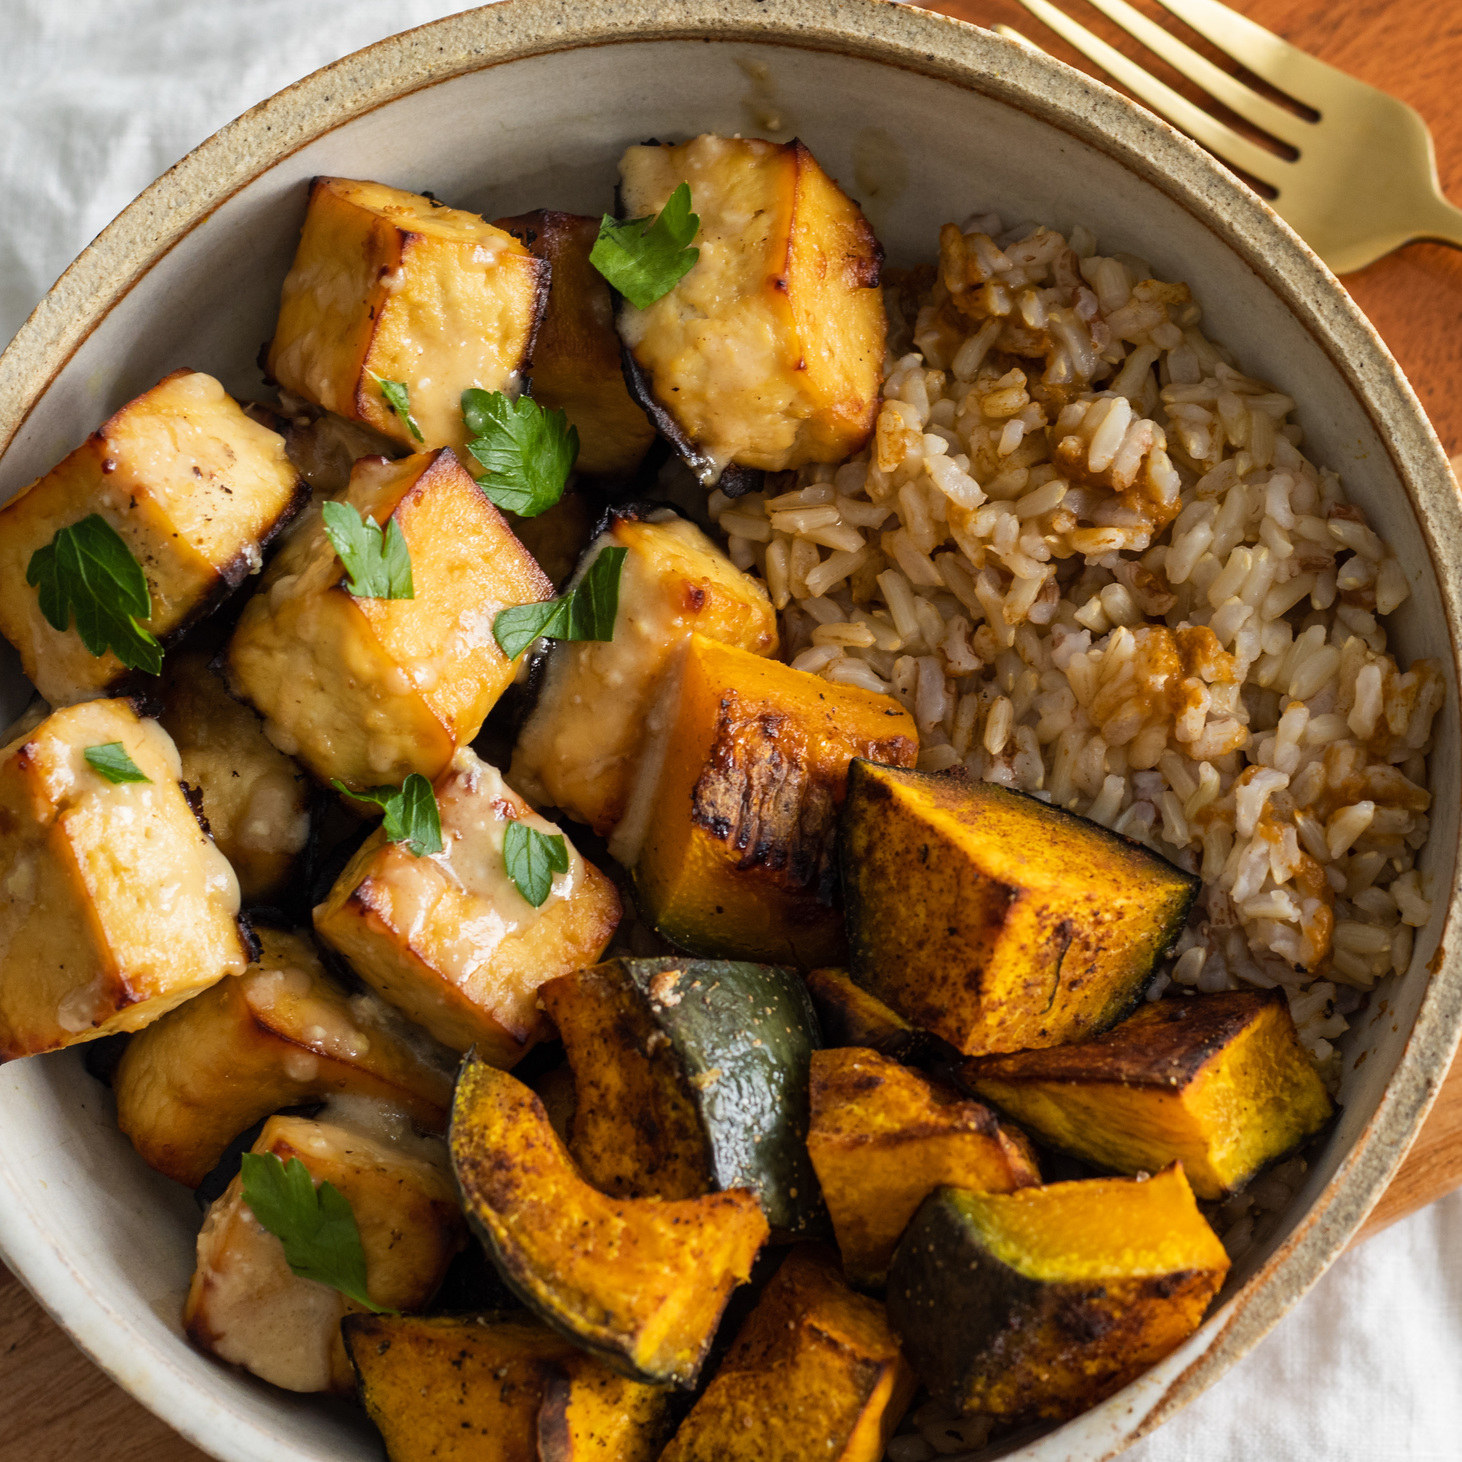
column 256, row 800
column 282, row 1035
column 995, row 920
column 769, row 352
column 490, row 1388
column 884, row 1137
column 814, row 1372
column 576, row 357
column 391, row 286
column 194, row 487
column 247, row 1307
column 579, row 746
column 371, row 690
column 449, row 939
column 734, row 810
column 1045, row 1301
column 1219, row 1082
column 115, row 906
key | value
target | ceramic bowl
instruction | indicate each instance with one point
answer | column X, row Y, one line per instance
column 528, row 104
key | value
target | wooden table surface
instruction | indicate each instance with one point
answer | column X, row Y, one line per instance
column 57, row 1407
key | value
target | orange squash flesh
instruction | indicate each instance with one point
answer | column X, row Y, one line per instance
column 640, row 1282
column 884, row 1137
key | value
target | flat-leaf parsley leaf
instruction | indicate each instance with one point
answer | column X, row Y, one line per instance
column 532, row 858
column 398, row 397
column 411, row 814
column 316, row 1225
column 112, row 761
column 584, row 613
column 379, row 564
column 645, row 258
column 528, row 452
column 87, row 569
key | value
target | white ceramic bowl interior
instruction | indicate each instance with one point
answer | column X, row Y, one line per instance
column 105, row 1243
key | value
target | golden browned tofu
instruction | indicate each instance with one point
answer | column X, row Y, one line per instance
column 731, row 824
column 371, row 690
column 247, row 1307
column 578, row 748
column 490, row 1388
column 324, row 447
column 283, row 1034
column 884, row 1137
column 194, row 488
column 769, row 352
column 115, row 906
column 814, row 1372
column 255, row 798
column 576, row 358
column 1045, row 1301
column 993, row 919
column 449, row 939
column 1219, row 1082
column 390, row 286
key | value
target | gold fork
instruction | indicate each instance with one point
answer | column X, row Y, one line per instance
column 1364, row 181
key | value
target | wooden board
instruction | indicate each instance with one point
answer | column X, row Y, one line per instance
column 58, row 1407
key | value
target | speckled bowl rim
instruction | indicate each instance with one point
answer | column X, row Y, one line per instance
column 948, row 50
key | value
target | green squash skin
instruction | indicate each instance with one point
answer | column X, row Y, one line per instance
column 744, row 1035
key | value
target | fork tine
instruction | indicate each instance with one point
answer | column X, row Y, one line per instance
column 1216, row 136
column 1283, row 66
column 1242, row 100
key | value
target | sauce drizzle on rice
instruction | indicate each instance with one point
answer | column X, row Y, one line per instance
column 1090, row 556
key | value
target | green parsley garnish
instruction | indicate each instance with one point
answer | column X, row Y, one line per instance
column 532, row 858
column 112, row 761
column 398, row 398
column 411, row 812
column 87, row 569
column 584, row 613
column 645, row 258
column 379, row 564
column 528, row 452
column 316, row 1225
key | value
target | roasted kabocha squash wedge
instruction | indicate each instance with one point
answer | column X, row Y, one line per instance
column 576, row 357
column 640, row 1282
column 370, row 690
column 497, row 1388
column 392, row 290
column 89, row 945
column 674, row 581
column 282, row 1034
column 731, row 823
column 814, row 1372
column 1045, row 1301
column 995, row 920
column 690, row 1077
column 195, row 490
column 255, row 799
column 768, row 353
column 450, row 939
column 849, row 1016
column 884, row 1137
column 1219, row 1082
column 246, row 1305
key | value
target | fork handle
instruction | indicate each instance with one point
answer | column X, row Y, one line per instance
column 1442, row 222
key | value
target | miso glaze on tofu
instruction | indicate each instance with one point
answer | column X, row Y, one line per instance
column 246, row 1306
column 255, row 799
column 195, row 489
column 576, row 365
column 283, row 1034
column 769, row 353
column 578, row 748
column 449, row 939
column 390, row 286
column 115, row 906
column 371, row 690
